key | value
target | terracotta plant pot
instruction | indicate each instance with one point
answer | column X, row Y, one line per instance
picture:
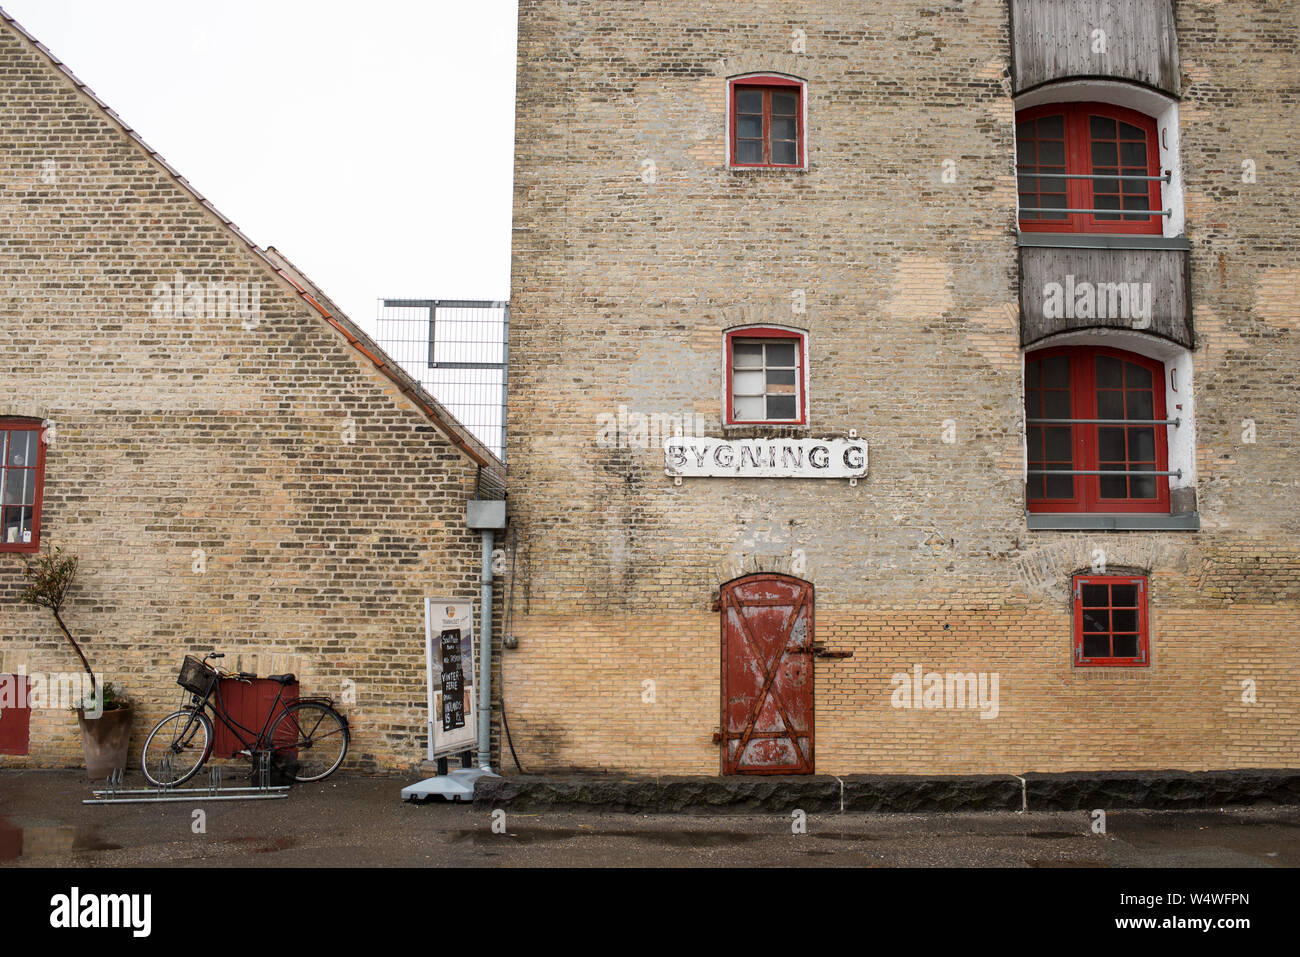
column 105, row 740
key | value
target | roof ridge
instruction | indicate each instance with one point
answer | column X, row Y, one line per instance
column 433, row 410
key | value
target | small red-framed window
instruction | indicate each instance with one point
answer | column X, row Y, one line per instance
column 766, row 377
column 1095, row 409
column 1110, row 621
column 1074, row 156
column 22, row 481
column 766, row 120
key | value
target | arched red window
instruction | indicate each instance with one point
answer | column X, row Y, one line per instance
column 1088, row 158
column 766, row 376
column 1095, row 425
column 766, row 118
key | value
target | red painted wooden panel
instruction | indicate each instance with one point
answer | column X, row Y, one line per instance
column 15, row 722
column 249, row 705
column 767, row 676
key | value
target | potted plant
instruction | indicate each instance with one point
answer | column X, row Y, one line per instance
column 106, row 729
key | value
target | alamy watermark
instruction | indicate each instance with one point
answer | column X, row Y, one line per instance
column 947, row 691
column 188, row 299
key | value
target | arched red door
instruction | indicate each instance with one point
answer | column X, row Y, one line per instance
column 767, row 675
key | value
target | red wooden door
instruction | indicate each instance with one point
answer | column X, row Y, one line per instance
column 767, row 676
column 15, row 713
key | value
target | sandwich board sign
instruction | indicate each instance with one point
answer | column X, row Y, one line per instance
column 449, row 667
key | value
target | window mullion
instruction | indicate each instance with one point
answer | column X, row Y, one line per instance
column 767, row 137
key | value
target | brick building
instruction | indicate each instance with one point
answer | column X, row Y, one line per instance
column 235, row 464
column 1031, row 259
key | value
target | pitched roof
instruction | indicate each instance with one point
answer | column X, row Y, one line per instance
column 278, row 264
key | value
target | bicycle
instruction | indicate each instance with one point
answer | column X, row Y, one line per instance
column 306, row 731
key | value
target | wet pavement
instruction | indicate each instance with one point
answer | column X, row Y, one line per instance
column 360, row 820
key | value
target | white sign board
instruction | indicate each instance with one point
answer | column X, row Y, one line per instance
column 449, row 641
column 686, row 457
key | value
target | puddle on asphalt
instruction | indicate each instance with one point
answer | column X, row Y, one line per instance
column 266, row 845
column 16, row 842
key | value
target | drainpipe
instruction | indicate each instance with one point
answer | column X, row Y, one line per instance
column 485, row 517
column 485, row 656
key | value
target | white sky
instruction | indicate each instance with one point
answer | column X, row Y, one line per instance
column 370, row 142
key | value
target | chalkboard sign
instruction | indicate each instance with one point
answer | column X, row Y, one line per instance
column 453, row 680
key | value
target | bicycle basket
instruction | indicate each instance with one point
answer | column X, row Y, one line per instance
column 196, row 677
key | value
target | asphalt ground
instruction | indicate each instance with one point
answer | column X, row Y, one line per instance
column 356, row 820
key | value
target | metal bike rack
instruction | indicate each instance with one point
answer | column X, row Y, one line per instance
column 113, row 793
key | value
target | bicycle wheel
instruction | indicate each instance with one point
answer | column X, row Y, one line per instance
column 176, row 748
column 314, row 735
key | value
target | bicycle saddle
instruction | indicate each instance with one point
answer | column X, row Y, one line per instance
column 282, row 679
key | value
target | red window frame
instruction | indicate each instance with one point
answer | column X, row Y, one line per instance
column 38, row 470
column 766, row 83
column 1080, row 193
column 1086, row 602
column 800, row 377
column 1085, row 439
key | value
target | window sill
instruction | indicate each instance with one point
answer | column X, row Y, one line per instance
column 1103, row 241
column 1113, row 521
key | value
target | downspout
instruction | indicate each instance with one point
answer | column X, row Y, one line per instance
column 485, row 656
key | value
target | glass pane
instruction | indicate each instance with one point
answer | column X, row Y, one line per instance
column 1124, row 596
column 1137, row 377
column 1028, row 201
column 782, row 129
column 22, row 448
column 1141, row 445
column 780, row 407
column 749, row 151
column 1136, row 191
column 1024, row 131
column 750, row 127
column 1113, row 487
column 1124, row 620
column 780, row 378
column 1051, row 128
column 784, row 104
column 1096, row 595
column 1125, row 646
column 1140, row 405
column 1060, row 486
column 784, row 152
column 9, row 531
column 748, row 410
column 1097, row 646
column 1128, row 131
column 1142, row 488
column 1026, row 153
column 1032, row 374
column 1056, row 404
column 1095, row 620
column 1034, row 487
column 1101, row 127
column 1110, row 445
column 15, row 491
column 1104, row 155
column 1059, row 446
column 17, row 526
column 749, row 101
column 748, row 355
column 1110, row 372
column 747, row 383
column 1056, row 372
column 1134, row 154
column 1051, row 154
column 780, row 354
column 1110, row 405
